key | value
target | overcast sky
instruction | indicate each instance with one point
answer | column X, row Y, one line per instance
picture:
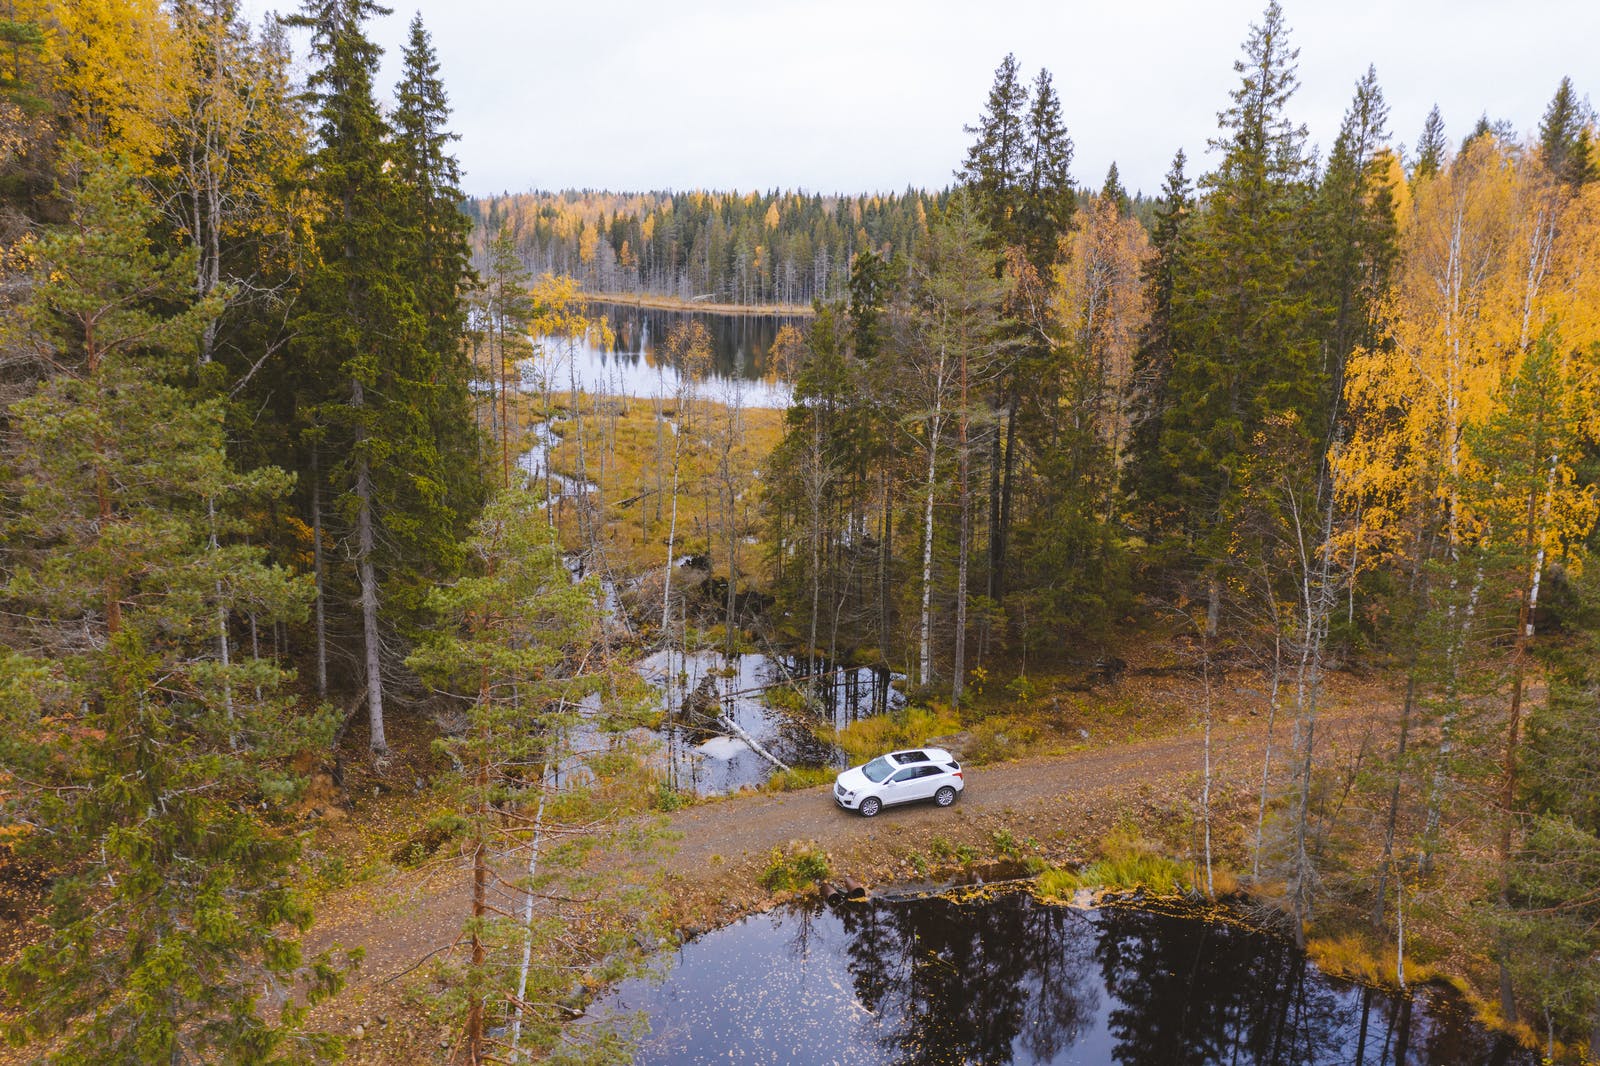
column 853, row 95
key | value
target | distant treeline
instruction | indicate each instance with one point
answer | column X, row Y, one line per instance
column 774, row 247
column 731, row 247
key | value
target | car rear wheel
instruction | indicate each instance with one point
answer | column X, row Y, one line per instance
column 871, row 806
column 945, row 796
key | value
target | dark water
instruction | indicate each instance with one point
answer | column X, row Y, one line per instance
column 703, row 758
column 634, row 363
column 1005, row 979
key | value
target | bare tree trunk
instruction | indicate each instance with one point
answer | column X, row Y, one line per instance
column 1008, row 463
column 505, row 414
column 885, row 554
column 319, row 571
column 365, row 545
column 925, row 642
column 959, row 667
column 1386, row 860
column 1272, row 718
column 480, row 895
column 1508, row 800
column 1205, row 792
column 527, row 916
column 672, row 537
column 815, row 490
column 222, row 618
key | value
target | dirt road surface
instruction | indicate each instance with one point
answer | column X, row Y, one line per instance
column 1058, row 807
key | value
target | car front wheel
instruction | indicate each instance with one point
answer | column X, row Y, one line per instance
column 871, row 806
column 945, row 796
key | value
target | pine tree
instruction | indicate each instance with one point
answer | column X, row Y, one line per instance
column 517, row 640
column 153, row 762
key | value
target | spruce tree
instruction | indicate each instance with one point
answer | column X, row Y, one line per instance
column 1353, row 217
column 1560, row 134
column 1048, row 198
column 1249, row 352
column 997, row 162
column 371, row 378
column 1113, row 191
column 1153, row 497
column 429, row 180
column 1431, row 147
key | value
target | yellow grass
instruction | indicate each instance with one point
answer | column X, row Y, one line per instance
column 630, row 459
column 912, row 727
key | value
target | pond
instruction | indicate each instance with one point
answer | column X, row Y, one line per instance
column 633, row 364
column 997, row 977
column 699, row 689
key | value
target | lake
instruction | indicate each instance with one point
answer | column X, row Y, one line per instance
column 633, row 364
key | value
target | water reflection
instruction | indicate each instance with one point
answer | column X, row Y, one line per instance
column 1005, row 979
column 630, row 365
column 700, row 688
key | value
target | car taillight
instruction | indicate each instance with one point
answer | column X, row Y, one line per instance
column 958, row 774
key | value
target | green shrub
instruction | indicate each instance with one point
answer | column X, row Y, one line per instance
column 1001, row 737
column 795, row 867
column 669, row 799
column 786, row 698
column 1006, row 844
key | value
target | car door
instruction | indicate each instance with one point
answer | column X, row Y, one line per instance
column 901, row 788
column 927, row 782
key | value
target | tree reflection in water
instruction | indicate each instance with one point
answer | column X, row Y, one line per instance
column 1001, row 979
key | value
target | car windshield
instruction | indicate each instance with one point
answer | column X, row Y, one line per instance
column 877, row 770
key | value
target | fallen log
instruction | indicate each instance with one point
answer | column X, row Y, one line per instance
column 739, row 731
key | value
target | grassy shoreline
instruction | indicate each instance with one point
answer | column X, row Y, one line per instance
column 662, row 302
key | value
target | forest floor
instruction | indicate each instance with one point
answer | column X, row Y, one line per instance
column 1135, row 774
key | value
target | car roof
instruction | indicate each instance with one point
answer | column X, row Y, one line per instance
column 916, row 755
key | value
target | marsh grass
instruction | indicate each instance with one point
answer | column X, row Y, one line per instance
column 908, row 728
column 624, row 455
column 1127, row 861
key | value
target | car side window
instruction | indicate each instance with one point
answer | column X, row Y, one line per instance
column 905, row 775
column 928, row 771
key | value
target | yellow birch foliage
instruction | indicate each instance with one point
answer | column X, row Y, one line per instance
column 119, row 69
column 1492, row 252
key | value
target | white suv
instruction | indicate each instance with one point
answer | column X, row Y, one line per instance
column 899, row 777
